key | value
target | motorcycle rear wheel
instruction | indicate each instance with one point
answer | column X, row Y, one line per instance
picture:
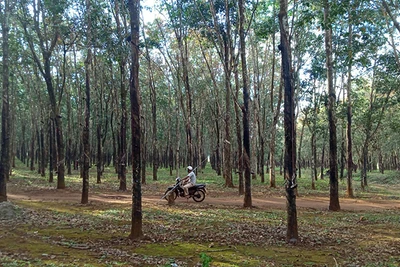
column 199, row 196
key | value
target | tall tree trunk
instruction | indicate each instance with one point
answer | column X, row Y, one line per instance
column 227, row 170
column 239, row 132
column 276, row 112
column 42, row 154
column 299, row 151
column 314, row 176
column 153, row 99
column 122, row 158
column 289, row 123
column 136, row 229
column 143, row 153
column 69, row 145
column 86, row 127
column 51, row 150
column 322, row 165
column 32, row 148
column 5, row 127
column 99, row 161
column 364, row 165
column 122, row 151
column 350, row 191
column 333, row 170
column 226, row 54
column 246, row 110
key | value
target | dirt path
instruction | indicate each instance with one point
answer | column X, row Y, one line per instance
column 223, row 200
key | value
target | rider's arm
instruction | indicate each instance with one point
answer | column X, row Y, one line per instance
column 185, row 179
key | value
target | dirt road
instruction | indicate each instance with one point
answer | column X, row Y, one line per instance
column 222, row 200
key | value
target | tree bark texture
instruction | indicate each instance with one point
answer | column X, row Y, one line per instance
column 289, row 124
column 86, row 127
column 333, row 168
column 227, row 170
column 349, row 191
column 5, row 127
column 239, row 134
column 122, row 162
column 246, row 111
column 136, row 228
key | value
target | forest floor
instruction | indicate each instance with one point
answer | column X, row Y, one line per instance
column 213, row 198
column 52, row 228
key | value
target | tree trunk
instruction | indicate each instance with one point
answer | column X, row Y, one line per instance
column 227, row 170
column 32, row 149
column 136, row 229
column 42, row 154
column 143, row 152
column 99, row 161
column 246, row 111
column 153, row 100
column 322, row 165
column 350, row 191
column 276, row 112
column 69, row 144
column 122, row 158
column 5, row 127
column 289, row 124
column 299, row 151
column 86, row 127
column 364, row 166
column 239, row 133
column 333, row 170
column 51, row 151
column 314, row 175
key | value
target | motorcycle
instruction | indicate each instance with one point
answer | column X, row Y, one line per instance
column 197, row 192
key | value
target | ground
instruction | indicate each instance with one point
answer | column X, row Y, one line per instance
column 215, row 199
column 54, row 229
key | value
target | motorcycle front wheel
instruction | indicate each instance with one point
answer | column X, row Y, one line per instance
column 199, row 196
column 175, row 194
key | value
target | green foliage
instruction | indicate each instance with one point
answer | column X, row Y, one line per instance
column 56, row 8
column 205, row 260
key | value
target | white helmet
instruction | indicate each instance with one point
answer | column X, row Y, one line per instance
column 190, row 168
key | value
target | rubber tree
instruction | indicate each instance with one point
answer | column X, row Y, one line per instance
column 333, row 167
column 136, row 227
column 86, row 127
column 289, row 125
column 5, row 134
column 246, row 110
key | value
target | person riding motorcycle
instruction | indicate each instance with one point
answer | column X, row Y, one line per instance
column 189, row 180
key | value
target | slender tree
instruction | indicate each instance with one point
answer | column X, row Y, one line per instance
column 333, row 168
column 227, row 58
column 246, row 110
column 86, row 126
column 272, row 143
column 153, row 99
column 289, row 124
column 136, row 229
column 5, row 128
column 123, row 152
column 350, row 164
